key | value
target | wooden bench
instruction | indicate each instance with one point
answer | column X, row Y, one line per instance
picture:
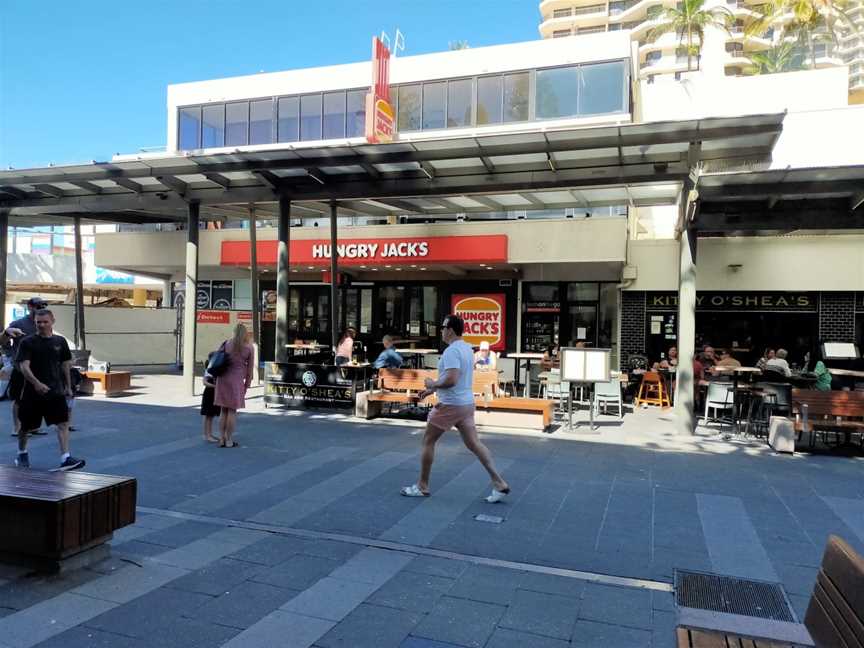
column 834, row 617
column 48, row 517
column 532, row 413
column 110, row 383
column 828, row 412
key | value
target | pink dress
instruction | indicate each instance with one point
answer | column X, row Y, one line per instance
column 231, row 386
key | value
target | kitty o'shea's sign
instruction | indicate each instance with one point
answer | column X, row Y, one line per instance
column 484, row 318
column 380, row 116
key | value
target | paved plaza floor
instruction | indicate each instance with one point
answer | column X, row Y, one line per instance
column 299, row 537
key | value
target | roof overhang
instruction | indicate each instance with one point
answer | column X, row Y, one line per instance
column 781, row 201
column 630, row 164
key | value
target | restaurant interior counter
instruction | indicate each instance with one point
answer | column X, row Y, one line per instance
column 314, row 384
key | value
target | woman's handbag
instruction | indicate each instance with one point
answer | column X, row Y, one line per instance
column 219, row 362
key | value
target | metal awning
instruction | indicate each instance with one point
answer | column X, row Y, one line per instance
column 781, row 200
column 631, row 164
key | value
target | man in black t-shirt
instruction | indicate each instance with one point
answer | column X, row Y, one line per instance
column 17, row 331
column 44, row 360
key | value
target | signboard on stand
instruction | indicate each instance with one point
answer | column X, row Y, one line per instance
column 583, row 366
column 380, row 116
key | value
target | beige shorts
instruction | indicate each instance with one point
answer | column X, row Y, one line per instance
column 444, row 417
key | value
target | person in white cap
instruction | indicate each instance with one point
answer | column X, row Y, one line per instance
column 485, row 359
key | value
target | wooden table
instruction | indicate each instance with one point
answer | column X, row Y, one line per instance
column 847, row 373
column 54, row 515
column 527, row 357
column 112, row 382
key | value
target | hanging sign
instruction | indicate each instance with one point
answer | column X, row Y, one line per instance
column 753, row 301
column 380, row 116
column 484, row 317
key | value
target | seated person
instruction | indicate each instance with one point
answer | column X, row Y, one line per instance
column 551, row 358
column 726, row 360
column 767, row 355
column 389, row 357
column 485, row 359
column 708, row 359
column 671, row 360
column 779, row 364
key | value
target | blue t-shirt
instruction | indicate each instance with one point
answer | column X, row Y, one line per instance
column 458, row 355
column 389, row 358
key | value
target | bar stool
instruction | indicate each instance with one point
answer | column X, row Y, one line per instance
column 653, row 391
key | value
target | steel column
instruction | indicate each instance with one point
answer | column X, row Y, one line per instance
column 685, row 388
column 334, row 269
column 80, row 337
column 282, row 278
column 253, row 287
column 4, row 247
column 190, row 310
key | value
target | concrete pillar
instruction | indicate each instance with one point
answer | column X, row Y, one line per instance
column 253, row 283
column 139, row 296
column 166, row 294
column 190, row 310
column 334, row 270
column 80, row 338
column 282, row 278
column 685, row 389
column 4, row 247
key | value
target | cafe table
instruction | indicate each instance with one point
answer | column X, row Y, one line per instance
column 528, row 358
column 846, row 373
column 736, row 373
column 416, row 355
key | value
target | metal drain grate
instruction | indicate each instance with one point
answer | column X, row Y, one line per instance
column 732, row 595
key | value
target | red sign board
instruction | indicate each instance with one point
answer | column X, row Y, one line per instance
column 380, row 116
column 214, row 317
column 376, row 252
column 484, row 317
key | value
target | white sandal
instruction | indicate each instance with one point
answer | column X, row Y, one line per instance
column 497, row 496
column 412, row 491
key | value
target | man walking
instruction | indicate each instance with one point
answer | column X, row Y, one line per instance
column 455, row 408
column 17, row 331
column 44, row 360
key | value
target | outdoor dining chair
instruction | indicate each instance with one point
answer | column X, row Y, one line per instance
column 718, row 398
column 606, row 393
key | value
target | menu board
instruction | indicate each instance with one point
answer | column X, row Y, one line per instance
column 585, row 365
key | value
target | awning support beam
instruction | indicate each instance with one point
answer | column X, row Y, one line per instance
column 334, row 275
column 253, row 288
column 282, row 277
column 80, row 327
column 190, row 310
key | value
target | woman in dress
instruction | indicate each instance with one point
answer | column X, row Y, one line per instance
column 231, row 386
column 345, row 347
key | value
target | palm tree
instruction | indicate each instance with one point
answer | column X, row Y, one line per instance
column 689, row 21
column 784, row 57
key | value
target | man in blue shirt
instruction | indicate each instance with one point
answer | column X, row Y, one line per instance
column 389, row 358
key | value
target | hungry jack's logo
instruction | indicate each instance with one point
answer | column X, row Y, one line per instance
column 484, row 318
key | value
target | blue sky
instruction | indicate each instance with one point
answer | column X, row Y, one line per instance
column 81, row 80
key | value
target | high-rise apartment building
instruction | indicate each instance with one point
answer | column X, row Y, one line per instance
column 722, row 53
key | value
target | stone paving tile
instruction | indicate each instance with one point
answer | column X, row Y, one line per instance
column 590, row 634
column 138, row 618
column 245, row 604
column 330, row 599
column 663, row 630
column 504, row 638
column 48, row 618
column 616, row 605
column 131, row 582
column 21, row 593
column 218, row 577
column 552, row 584
column 371, row 626
column 663, row 601
column 462, row 622
column 82, row 637
column 190, row 633
column 487, row 584
column 298, row 572
column 437, row 566
column 372, row 565
column 412, row 591
column 180, row 534
column 272, row 550
column 537, row 613
column 420, row 642
column 283, row 629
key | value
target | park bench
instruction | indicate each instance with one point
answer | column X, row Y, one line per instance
column 401, row 386
column 834, row 617
column 48, row 517
column 106, row 383
column 828, row 412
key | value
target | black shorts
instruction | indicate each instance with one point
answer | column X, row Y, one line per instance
column 33, row 407
column 16, row 384
column 208, row 408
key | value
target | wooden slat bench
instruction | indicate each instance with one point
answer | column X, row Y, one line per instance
column 834, row 617
column 51, row 516
column 828, row 412
column 532, row 413
column 110, row 383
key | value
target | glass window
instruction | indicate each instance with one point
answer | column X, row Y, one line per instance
column 608, row 309
column 334, row 115
column 516, row 97
column 541, row 292
column 582, row 292
column 261, row 122
column 356, row 112
column 583, row 324
column 459, row 103
column 310, row 117
column 190, row 128
column 236, row 124
column 557, row 92
column 213, row 126
column 409, row 108
column 366, row 310
column 289, row 119
column 489, row 100
column 602, row 89
column 433, row 104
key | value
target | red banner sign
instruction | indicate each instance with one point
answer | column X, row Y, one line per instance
column 376, row 252
column 484, row 317
column 214, row 317
column 380, row 116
